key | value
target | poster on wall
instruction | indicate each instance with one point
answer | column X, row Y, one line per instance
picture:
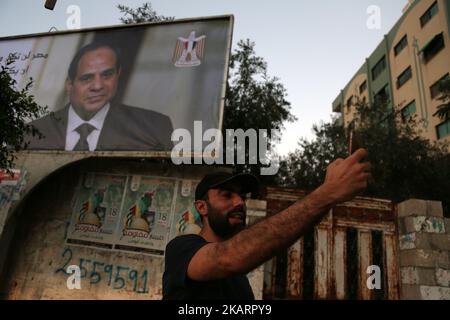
column 132, row 213
column 12, row 185
column 145, row 218
column 186, row 219
column 96, row 212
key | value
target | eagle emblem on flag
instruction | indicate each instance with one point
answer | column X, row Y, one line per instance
column 189, row 51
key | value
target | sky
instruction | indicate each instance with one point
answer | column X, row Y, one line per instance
column 314, row 47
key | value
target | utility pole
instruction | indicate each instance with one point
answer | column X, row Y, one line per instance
column 50, row 4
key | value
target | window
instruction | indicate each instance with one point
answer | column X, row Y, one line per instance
column 405, row 76
column 401, row 45
column 364, row 100
column 408, row 111
column 363, row 87
column 436, row 88
column 443, row 129
column 430, row 13
column 350, row 102
column 379, row 67
column 382, row 97
column 433, row 47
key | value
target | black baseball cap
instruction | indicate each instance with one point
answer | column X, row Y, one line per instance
column 247, row 182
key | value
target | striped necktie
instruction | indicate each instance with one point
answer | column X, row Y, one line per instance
column 84, row 130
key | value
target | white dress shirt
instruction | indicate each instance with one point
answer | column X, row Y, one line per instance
column 74, row 121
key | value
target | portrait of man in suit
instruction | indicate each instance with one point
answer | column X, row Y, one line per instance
column 92, row 120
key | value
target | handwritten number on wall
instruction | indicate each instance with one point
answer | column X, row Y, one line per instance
column 119, row 279
column 144, row 280
column 108, row 269
column 63, row 268
column 117, row 276
column 94, row 274
column 82, row 268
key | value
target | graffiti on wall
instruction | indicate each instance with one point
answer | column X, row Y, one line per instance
column 115, row 276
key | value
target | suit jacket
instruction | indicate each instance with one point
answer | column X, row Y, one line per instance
column 124, row 128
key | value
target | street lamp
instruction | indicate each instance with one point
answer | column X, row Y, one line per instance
column 50, row 4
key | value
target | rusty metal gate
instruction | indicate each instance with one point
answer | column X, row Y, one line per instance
column 331, row 262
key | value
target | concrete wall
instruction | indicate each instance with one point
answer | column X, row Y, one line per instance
column 34, row 254
column 424, row 249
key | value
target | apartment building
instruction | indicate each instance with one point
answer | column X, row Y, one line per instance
column 407, row 68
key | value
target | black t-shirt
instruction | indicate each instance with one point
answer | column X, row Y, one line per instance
column 177, row 285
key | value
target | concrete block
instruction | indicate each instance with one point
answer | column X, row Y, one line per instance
column 440, row 241
column 434, row 209
column 415, row 240
column 420, row 276
column 434, row 293
column 256, row 208
column 256, row 204
column 410, row 224
column 443, row 260
column 410, row 292
column 424, row 224
column 443, row 277
column 424, row 258
column 401, row 226
column 412, row 207
column 447, row 225
column 407, row 241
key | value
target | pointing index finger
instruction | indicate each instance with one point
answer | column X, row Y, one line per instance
column 358, row 155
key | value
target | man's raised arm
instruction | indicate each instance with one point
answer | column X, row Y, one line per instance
column 258, row 243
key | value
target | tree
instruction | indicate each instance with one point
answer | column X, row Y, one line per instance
column 17, row 108
column 443, row 110
column 405, row 165
column 144, row 13
column 306, row 167
column 254, row 100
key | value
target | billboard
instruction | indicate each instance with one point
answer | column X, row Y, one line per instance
column 124, row 88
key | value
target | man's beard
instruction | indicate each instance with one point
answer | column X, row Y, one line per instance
column 219, row 222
